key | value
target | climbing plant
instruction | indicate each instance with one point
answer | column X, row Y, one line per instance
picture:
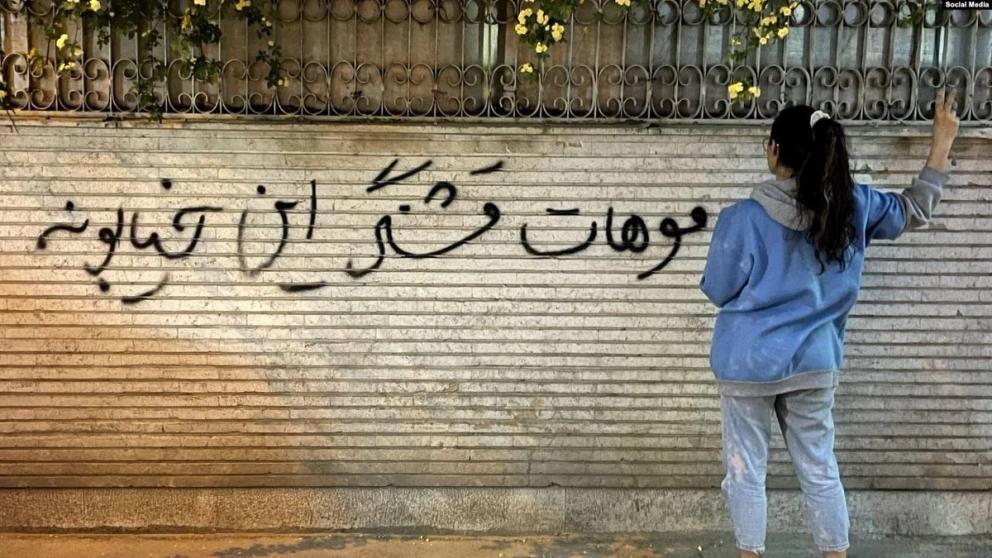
column 539, row 24
column 62, row 22
column 542, row 23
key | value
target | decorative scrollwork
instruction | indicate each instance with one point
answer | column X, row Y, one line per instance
column 459, row 58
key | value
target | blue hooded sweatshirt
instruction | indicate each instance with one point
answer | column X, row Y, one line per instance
column 780, row 325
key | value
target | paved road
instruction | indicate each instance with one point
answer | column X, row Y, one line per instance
column 415, row 546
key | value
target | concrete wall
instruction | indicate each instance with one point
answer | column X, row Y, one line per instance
column 481, row 375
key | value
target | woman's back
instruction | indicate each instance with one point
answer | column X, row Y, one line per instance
column 782, row 310
column 784, row 267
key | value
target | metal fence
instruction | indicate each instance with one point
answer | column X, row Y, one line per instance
column 457, row 58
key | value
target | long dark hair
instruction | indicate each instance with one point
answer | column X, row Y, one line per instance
column 825, row 195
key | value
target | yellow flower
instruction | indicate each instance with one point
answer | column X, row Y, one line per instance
column 754, row 91
column 763, row 40
column 2, row 94
column 702, row 3
column 186, row 23
column 242, row 4
column 624, row 3
column 769, row 20
column 71, row 3
column 95, row 5
column 540, row 48
column 521, row 29
column 282, row 82
column 786, row 11
column 783, row 32
column 735, row 89
column 200, row 2
column 526, row 68
column 62, row 41
column 77, row 51
column 557, row 31
column 524, row 14
column 541, row 17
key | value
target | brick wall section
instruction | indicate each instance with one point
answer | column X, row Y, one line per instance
column 484, row 367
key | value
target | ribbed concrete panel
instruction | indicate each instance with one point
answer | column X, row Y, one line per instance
column 466, row 356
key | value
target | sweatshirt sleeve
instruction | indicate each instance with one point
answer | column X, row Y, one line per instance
column 729, row 261
column 890, row 214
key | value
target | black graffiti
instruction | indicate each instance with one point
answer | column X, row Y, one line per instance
column 154, row 240
column 147, row 294
column 111, row 236
column 313, row 209
column 497, row 166
column 670, row 229
column 450, row 194
column 381, row 180
column 383, row 231
column 281, row 208
column 634, row 236
column 42, row 242
column 565, row 251
column 385, row 227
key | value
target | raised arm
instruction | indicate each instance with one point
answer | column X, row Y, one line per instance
column 945, row 129
column 920, row 199
column 891, row 214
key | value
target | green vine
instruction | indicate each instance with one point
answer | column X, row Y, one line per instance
column 148, row 21
column 542, row 23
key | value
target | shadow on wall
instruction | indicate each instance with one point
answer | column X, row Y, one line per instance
column 98, row 394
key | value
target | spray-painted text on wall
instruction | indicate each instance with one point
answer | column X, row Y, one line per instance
column 633, row 235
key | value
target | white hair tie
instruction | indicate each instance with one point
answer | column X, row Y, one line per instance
column 816, row 117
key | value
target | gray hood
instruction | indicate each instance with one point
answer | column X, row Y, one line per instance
column 778, row 197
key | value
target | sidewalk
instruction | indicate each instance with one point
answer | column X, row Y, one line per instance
column 702, row 545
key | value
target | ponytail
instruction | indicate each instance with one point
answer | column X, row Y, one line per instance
column 825, row 189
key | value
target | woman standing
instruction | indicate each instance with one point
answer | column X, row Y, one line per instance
column 784, row 268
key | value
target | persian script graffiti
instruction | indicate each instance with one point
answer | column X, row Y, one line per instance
column 634, row 233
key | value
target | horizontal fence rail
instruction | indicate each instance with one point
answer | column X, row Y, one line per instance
column 862, row 60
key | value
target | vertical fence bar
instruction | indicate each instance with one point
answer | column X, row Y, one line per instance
column 889, row 66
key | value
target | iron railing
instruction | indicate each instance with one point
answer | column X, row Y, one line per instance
column 455, row 58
